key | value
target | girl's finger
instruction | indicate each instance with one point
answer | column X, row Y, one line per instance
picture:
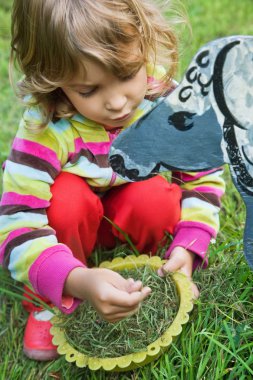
column 113, row 318
column 170, row 266
column 129, row 300
column 195, row 291
column 134, row 286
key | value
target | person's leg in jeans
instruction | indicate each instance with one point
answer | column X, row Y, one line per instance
column 75, row 214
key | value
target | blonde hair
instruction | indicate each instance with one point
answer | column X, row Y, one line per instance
column 52, row 38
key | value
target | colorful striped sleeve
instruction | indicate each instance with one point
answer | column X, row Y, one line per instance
column 199, row 221
column 28, row 246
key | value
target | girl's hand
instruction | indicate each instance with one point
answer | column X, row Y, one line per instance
column 180, row 260
column 113, row 297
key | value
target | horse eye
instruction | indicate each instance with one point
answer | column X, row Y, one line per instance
column 182, row 120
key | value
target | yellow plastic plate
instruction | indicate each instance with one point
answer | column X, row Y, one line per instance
column 153, row 350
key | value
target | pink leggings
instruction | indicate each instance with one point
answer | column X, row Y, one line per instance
column 143, row 210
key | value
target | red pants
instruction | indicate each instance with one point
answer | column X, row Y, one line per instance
column 143, row 210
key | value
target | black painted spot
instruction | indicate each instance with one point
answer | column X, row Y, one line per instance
column 182, row 120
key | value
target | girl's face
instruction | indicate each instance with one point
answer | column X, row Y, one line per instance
column 104, row 98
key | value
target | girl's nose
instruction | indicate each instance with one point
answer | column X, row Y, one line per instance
column 115, row 102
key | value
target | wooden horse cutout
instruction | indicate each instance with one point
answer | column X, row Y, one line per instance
column 205, row 122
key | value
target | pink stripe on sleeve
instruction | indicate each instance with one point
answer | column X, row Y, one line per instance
column 95, row 147
column 150, row 79
column 37, row 150
column 187, row 177
column 11, row 236
column 155, row 83
column 207, row 189
column 12, row 198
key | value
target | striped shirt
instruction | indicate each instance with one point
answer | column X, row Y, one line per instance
column 28, row 245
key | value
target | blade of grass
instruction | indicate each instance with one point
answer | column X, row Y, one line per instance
column 123, row 233
column 237, row 357
column 20, row 297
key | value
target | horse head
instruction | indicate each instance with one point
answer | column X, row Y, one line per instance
column 185, row 130
column 205, row 122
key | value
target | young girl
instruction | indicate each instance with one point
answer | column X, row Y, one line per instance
column 91, row 68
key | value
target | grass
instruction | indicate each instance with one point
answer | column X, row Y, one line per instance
column 10, row 111
column 217, row 342
column 92, row 336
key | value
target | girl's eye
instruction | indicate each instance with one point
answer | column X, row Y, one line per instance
column 88, row 93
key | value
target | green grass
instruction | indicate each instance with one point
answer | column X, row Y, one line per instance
column 92, row 336
column 10, row 110
column 217, row 342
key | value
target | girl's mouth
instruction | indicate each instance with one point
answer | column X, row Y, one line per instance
column 122, row 117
